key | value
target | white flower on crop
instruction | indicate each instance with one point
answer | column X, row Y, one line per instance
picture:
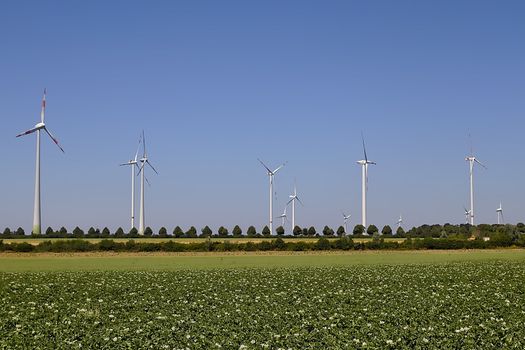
column 252, row 341
column 425, row 340
column 115, row 338
column 100, row 300
column 111, row 316
column 242, row 347
column 390, row 342
column 188, row 336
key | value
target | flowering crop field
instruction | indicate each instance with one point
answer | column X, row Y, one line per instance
column 473, row 305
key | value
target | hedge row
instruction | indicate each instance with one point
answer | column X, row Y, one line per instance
column 344, row 243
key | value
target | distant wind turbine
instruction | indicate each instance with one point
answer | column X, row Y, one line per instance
column 271, row 174
column 144, row 160
column 399, row 221
column 467, row 215
column 293, row 198
column 345, row 221
column 364, row 186
column 471, row 159
column 37, row 222
column 500, row 214
column 283, row 216
column 134, row 164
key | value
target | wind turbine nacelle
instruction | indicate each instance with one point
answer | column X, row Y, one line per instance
column 361, row 162
column 40, row 126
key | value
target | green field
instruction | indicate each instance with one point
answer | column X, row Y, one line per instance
column 355, row 300
column 11, row 262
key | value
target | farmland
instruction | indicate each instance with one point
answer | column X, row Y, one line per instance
column 354, row 300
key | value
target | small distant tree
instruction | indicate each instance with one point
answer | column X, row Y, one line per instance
column 49, row 231
column 327, row 231
column 20, row 232
column 237, row 231
column 163, row 232
column 251, row 231
column 177, row 232
column 78, row 232
column 359, row 229
column 340, row 231
column 63, row 231
column 372, row 229
column 119, row 232
column 223, row 231
column 400, row 232
column 311, row 231
column 7, row 231
column 305, row 231
column 266, row 231
column 105, row 232
column 387, row 230
column 297, row 231
column 148, row 231
column 192, row 232
column 280, row 231
column 206, row 231
column 133, row 232
column 91, row 231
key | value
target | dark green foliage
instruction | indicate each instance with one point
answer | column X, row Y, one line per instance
column 105, row 232
column 327, row 231
column 177, row 232
column 223, row 231
column 251, row 231
column 237, row 231
column 297, row 231
column 133, row 232
column 91, row 232
column 163, row 232
column 119, row 232
column 311, row 231
column 340, row 231
column 400, row 232
column 192, row 232
column 206, row 232
column 7, row 231
column 280, row 231
column 372, row 229
column 49, row 231
column 77, row 232
column 359, row 229
column 266, row 231
column 387, row 230
column 148, row 231
column 322, row 244
column 63, row 231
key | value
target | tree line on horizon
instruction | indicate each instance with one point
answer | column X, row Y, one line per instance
column 434, row 231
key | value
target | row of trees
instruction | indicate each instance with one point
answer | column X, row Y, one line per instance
column 434, row 231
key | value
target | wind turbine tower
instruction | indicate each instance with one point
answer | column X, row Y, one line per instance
column 345, row 221
column 37, row 217
column 271, row 175
column 399, row 221
column 364, row 182
column 134, row 164
column 472, row 159
column 144, row 160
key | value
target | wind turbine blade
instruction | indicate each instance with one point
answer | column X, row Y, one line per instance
column 138, row 147
column 364, row 147
column 144, row 142
column 299, row 200
column 125, row 164
column 151, row 166
column 290, row 201
column 54, row 139
column 147, row 181
column 477, row 161
column 279, row 168
column 264, row 165
column 140, row 169
column 30, row 131
column 43, row 110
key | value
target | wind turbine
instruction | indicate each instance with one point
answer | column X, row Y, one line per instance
column 283, row 216
column 37, row 222
column 345, row 220
column 399, row 221
column 271, row 174
column 364, row 163
column 467, row 215
column 144, row 160
column 293, row 198
column 500, row 214
column 471, row 159
column 134, row 164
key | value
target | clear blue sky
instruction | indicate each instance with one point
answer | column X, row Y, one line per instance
column 216, row 84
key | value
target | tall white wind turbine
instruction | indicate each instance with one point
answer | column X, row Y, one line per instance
column 37, row 222
column 499, row 211
column 364, row 185
column 271, row 174
column 471, row 159
column 293, row 198
column 399, row 221
column 467, row 215
column 144, row 160
column 345, row 221
column 133, row 163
